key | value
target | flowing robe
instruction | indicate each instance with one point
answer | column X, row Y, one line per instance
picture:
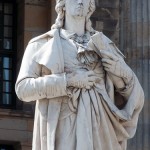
column 98, row 122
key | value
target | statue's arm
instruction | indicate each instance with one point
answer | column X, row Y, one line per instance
column 100, row 43
column 120, row 73
column 31, row 85
column 49, row 86
column 123, row 78
column 128, row 87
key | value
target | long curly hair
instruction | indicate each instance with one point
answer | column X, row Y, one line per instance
column 60, row 9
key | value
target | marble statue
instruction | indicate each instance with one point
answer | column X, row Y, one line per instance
column 87, row 97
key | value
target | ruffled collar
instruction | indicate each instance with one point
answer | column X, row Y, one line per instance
column 71, row 35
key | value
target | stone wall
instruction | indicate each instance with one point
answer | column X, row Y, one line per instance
column 16, row 129
column 106, row 18
column 135, row 43
column 35, row 18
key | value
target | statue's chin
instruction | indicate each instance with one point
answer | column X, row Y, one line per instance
column 80, row 15
column 79, row 12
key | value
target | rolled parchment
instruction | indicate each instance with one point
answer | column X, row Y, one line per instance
column 99, row 42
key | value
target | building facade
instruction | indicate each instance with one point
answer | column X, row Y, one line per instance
column 126, row 22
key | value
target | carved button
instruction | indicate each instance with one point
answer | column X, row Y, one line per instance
column 44, row 138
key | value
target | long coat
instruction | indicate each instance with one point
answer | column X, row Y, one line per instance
column 42, row 79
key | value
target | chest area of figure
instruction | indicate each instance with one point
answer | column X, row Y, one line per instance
column 79, row 56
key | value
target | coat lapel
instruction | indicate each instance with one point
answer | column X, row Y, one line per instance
column 51, row 54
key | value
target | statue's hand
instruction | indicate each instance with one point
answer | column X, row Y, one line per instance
column 81, row 79
column 115, row 65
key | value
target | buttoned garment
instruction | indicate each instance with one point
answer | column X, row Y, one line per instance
column 97, row 123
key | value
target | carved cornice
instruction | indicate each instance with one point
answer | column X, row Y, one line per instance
column 36, row 2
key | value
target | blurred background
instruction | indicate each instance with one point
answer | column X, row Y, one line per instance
column 126, row 22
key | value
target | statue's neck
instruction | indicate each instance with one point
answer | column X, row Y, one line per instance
column 75, row 24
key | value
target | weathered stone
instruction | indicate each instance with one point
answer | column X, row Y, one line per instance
column 38, row 15
column 36, row 2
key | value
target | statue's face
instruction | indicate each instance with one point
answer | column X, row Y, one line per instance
column 78, row 8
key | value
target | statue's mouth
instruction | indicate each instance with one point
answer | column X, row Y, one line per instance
column 80, row 9
column 80, row 6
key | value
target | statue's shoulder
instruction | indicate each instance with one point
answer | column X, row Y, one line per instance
column 44, row 37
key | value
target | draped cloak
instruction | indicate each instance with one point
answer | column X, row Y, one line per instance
column 42, row 79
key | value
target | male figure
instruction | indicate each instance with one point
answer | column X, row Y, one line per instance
column 75, row 75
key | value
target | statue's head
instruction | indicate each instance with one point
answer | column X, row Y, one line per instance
column 77, row 8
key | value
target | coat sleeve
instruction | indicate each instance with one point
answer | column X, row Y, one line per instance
column 31, row 85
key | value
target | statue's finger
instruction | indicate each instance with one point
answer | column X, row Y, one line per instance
column 107, row 69
column 108, row 61
column 106, row 65
column 88, row 87
column 90, row 73
column 90, row 84
column 92, row 78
